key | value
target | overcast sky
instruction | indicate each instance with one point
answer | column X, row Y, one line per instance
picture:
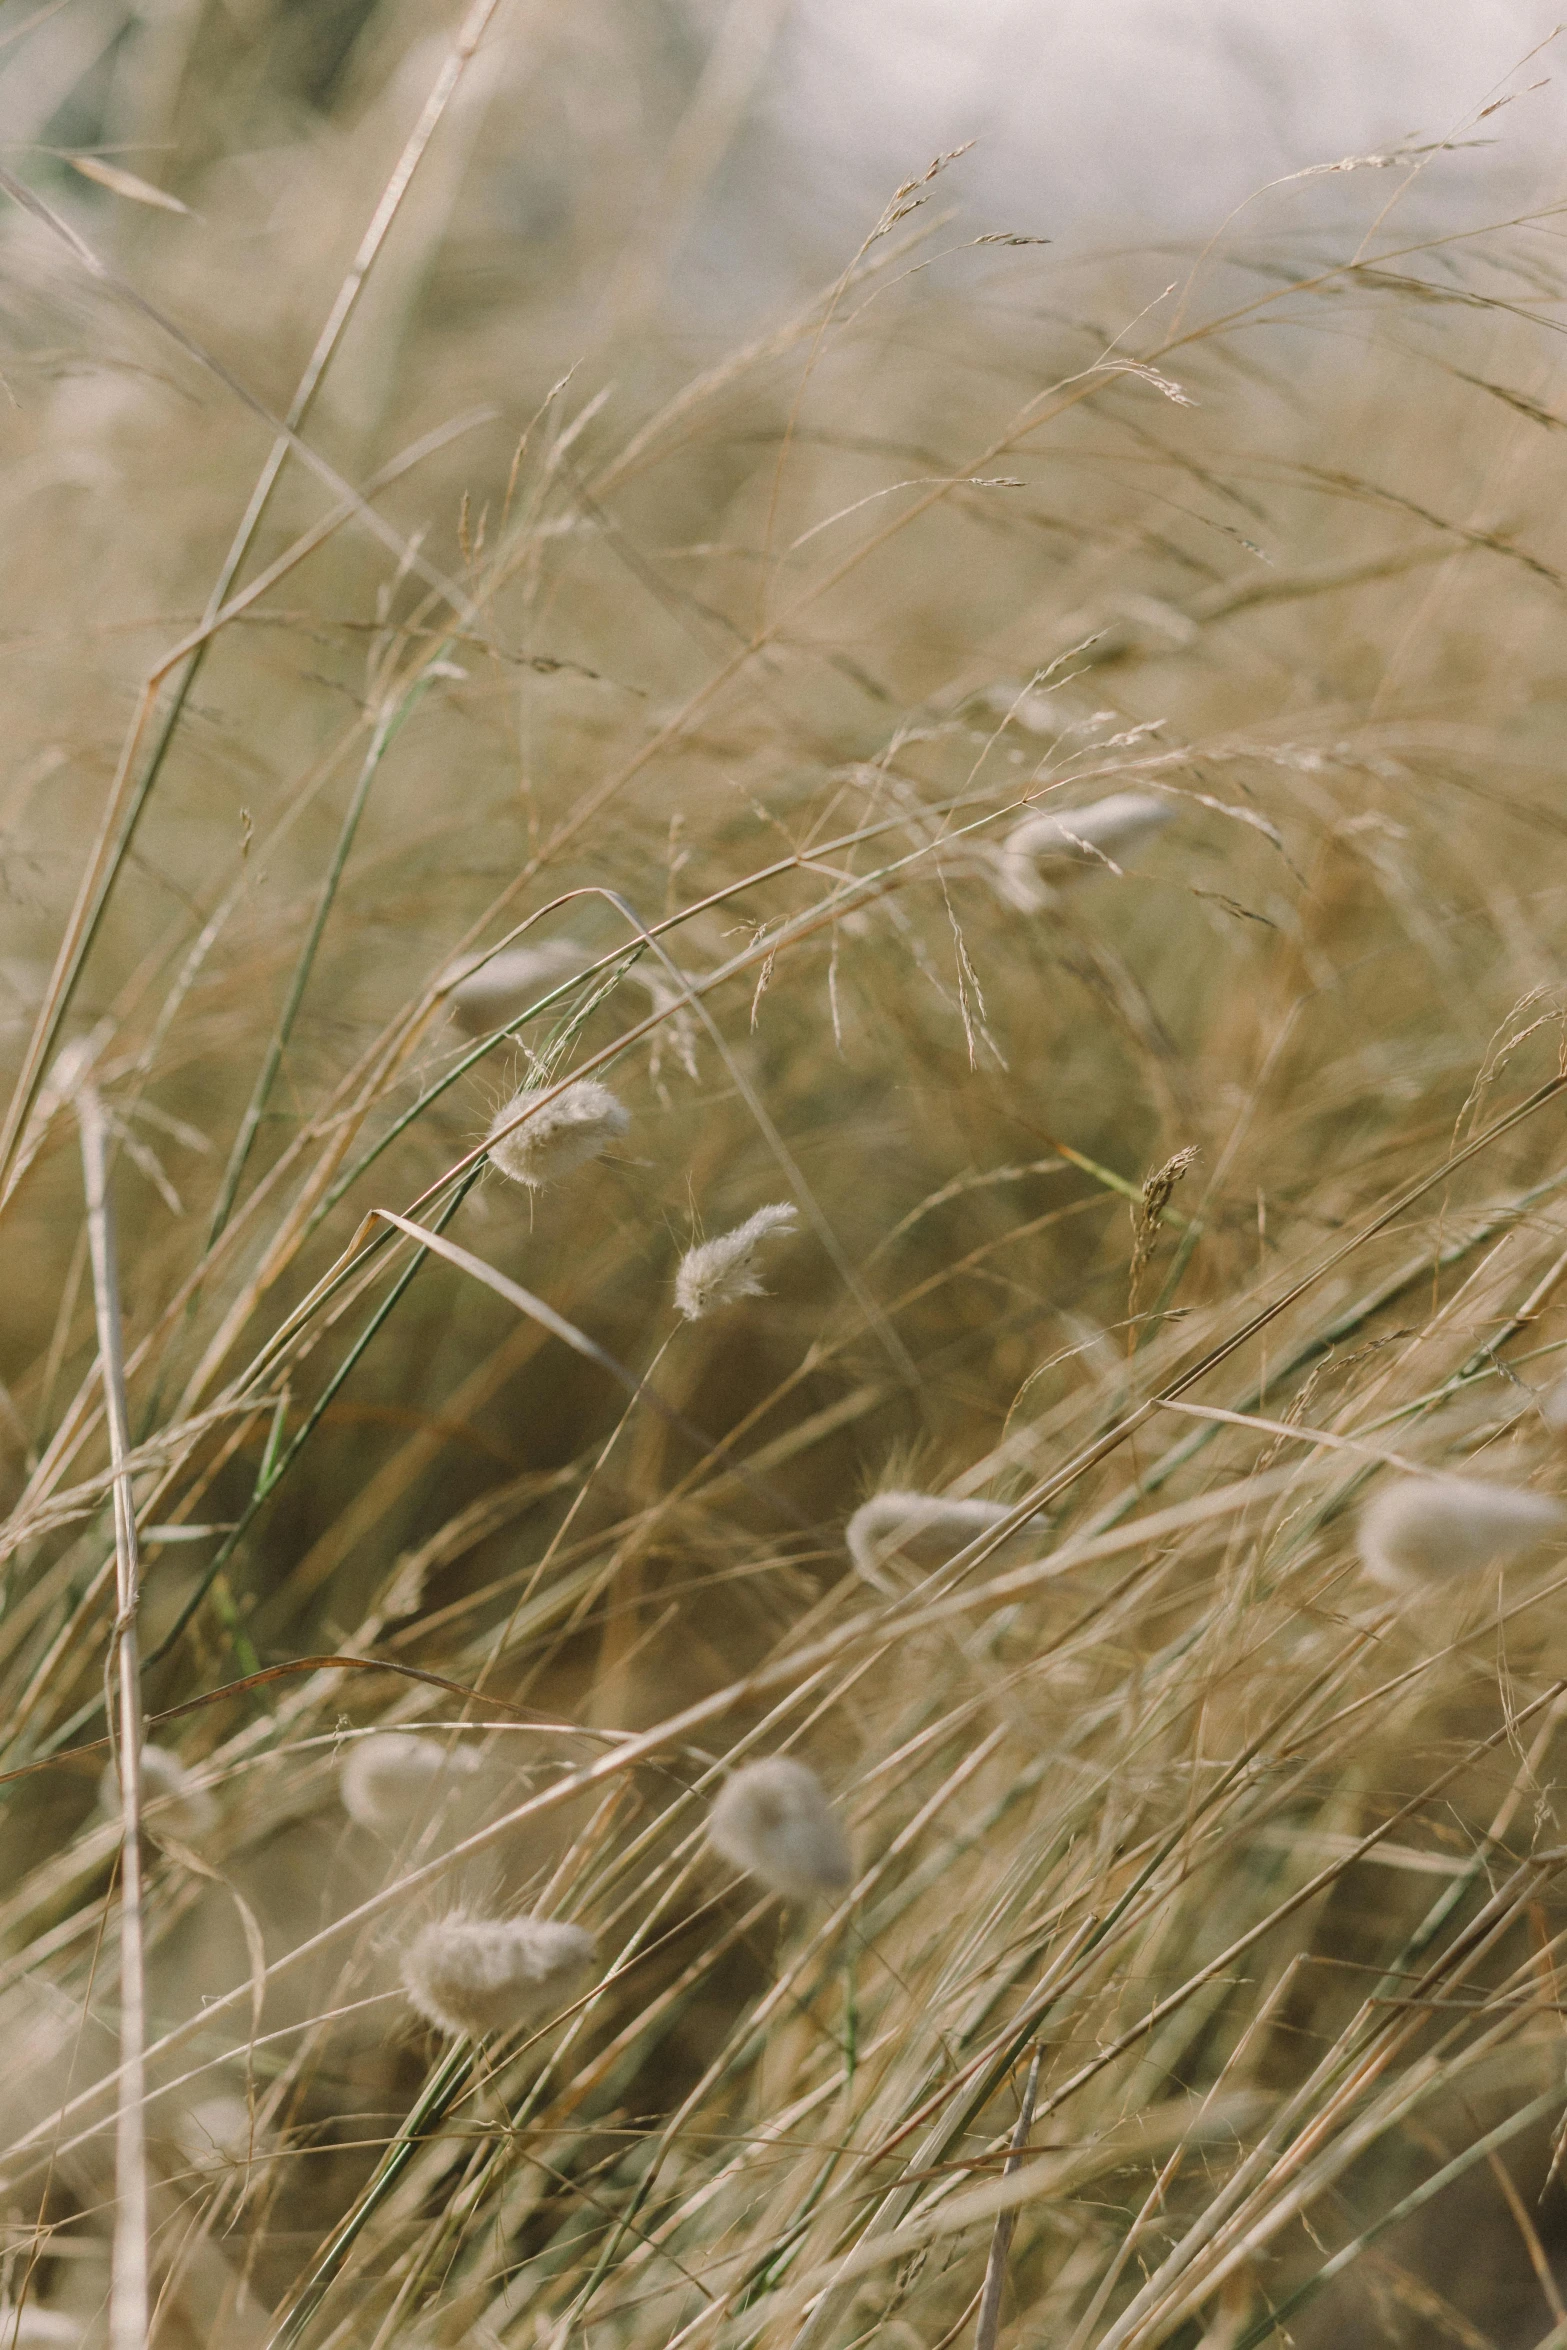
column 1098, row 119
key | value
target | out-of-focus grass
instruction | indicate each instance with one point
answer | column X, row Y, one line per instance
column 736, row 671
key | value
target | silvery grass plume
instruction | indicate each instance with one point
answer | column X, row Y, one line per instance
column 1445, row 1525
column 31, row 2328
column 484, row 995
column 718, row 1272
column 487, row 995
column 387, row 1781
column 922, row 1530
column 1553, row 1408
column 477, row 1975
column 484, row 992
column 170, row 1800
column 773, row 1820
column 214, row 2135
column 52, row 2043
column 1074, row 845
column 582, row 1120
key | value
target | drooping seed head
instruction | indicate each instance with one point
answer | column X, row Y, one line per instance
column 487, row 994
column 918, row 1530
column 536, row 1140
column 1445, row 1525
column 773, row 1820
column 718, row 1272
column 1052, row 849
column 170, row 1800
column 477, row 1975
column 389, row 1782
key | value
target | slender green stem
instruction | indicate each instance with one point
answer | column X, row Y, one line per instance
column 1513, row 2127
column 262, row 1492
column 434, row 2101
column 385, row 730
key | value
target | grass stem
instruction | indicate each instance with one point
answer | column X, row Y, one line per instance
column 129, row 2302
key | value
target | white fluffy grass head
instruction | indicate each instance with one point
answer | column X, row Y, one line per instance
column 1053, row 848
column 773, row 1820
column 918, row 1530
column 1424, row 1527
column 718, row 1272
column 32, row 2328
column 390, row 1781
column 485, row 995
column 477, row 1975
column 1553, row 1408
column 214, row 2135
column 556, row 1138
column 170, row 1800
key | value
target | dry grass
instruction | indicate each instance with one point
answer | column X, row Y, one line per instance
column 737, row 675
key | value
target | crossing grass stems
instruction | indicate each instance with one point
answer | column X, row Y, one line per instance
column 1152, row 1202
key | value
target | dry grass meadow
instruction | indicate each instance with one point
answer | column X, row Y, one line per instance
column 396, row 579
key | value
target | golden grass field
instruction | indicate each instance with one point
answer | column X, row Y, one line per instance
column 387, row 588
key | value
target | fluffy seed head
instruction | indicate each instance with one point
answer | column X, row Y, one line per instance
column 921, row 1530
column 717, row 1272
column 389, row 1781
column 31, row 2328
column 564, row 1134
column 1075, row 843
column 479, row 1975
column 212, row 2135
column 1553, row 1408
column 1451, row 1526
column 484, row 995
column 169, row 1799
column 488, row 994
column 772, row 1820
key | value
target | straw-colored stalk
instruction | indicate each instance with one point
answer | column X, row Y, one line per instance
column 129, row 2302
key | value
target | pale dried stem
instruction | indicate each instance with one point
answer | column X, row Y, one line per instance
column 989, row 2326
column 106, row 856
column 129, row 2289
